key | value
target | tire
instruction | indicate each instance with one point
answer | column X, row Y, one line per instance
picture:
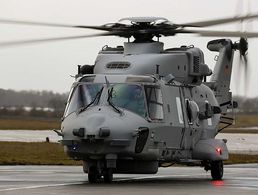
column 85, row 167
column 92, row 174
column 108, row 175
column 217, row 170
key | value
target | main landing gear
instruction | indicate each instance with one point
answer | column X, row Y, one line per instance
column 216, row 168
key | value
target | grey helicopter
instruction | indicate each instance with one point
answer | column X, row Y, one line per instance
column 141, row 107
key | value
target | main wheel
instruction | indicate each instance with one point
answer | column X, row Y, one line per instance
column 92, row 174
column 108, row 175
column 85, row 167
column 217, row 170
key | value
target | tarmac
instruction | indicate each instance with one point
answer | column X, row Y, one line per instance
column 37, row 180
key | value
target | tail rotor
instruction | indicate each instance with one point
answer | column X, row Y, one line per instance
column 243, row 67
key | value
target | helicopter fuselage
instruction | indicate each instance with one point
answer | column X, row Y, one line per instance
column 143, row 108
column 140, row 105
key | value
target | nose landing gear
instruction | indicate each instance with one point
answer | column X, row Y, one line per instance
column 98, row 172
column 95, row 175
column 108, row 175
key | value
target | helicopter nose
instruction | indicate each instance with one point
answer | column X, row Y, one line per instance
column 94, row 126
column 101, row 131
column 94, row 122
column 97, row 126
column 102, row 123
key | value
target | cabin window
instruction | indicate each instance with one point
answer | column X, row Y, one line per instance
column 192, row 110
column 81, row 96
column 129, row 97
column 154, row 102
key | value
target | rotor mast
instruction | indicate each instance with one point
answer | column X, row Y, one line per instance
column 144, row 28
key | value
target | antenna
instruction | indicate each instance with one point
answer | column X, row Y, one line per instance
column 78, row 69
column 157, row 69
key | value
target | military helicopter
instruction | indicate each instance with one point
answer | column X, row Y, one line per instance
column 141, row 107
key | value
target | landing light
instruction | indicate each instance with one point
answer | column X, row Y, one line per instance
column 74, row 147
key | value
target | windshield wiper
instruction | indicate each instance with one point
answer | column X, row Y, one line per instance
column 97, row 96
column 110, row 91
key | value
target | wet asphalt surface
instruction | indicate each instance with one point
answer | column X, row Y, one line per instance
column 238, row 179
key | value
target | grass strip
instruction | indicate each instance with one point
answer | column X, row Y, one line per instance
column 241, row 131
column 246, row 120
column 29, row 124
column 41, row 153
column 36, row 153
column 241, row 159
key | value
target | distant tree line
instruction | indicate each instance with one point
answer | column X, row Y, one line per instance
column 50, row 104
column 40, row 103
column 32, row 98
column 247, row 105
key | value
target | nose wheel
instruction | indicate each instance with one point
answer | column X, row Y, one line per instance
column 94, row 175
column 108, row 175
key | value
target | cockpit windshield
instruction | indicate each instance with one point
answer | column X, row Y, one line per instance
column 82, row 96
column 129, row 97
column 144, row 100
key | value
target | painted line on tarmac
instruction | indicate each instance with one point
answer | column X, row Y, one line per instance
column 41, row 186
column 249, row 186
column 157, row 177
column 243, row 178
column 186, row 176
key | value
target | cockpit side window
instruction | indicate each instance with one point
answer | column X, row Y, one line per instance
column 129, row 97
column 73, row 104
column 68, row 103
column 154, row 102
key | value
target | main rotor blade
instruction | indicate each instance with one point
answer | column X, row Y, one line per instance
column 45, row 40
column 32, row 23
column 219, row 21
column 213, row 33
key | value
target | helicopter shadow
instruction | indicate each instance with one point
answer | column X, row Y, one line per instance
column 157, row 181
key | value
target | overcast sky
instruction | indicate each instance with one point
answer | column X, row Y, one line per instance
column 49, row 66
